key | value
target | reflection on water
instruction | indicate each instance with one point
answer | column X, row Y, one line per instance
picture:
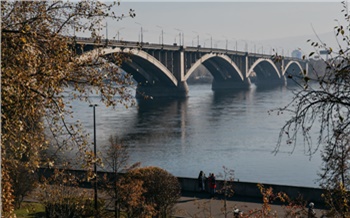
column 207, row 131
column 227, row 97
column 158, row 119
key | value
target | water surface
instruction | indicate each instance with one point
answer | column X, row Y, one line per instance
column 206, row 132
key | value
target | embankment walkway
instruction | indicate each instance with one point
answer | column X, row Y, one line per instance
column 200, row 205
column 247, row 197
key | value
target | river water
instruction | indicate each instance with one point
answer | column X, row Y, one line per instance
column 206, row 132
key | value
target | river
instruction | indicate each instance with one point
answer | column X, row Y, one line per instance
column 206, row 132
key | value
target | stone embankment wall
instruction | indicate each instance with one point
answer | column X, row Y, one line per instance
column 246, row 189
column 249, row 189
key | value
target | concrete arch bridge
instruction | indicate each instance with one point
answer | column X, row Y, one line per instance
column 163, row 70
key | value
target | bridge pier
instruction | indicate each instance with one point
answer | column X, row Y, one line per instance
column 159, row 91
column 225, row 85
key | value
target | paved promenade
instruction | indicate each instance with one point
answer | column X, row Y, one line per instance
column 200, row 205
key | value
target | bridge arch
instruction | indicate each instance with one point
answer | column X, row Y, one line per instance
column 145, row 56
column 209, row 56
column 260, row 60
column 286, row 68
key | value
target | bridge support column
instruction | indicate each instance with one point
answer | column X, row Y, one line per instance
column 246, row 65
column 154, row 91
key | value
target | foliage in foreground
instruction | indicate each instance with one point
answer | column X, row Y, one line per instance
column 38, row 62
column 149, row 191
column 62, row 197
column 322, row 105
column 116, row 160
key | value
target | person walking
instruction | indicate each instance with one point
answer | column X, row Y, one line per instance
column 311, row 212
column 201, row 181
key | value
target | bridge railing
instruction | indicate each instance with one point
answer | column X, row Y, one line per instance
column 177, row 47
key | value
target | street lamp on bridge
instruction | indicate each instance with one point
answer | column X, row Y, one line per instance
column 211, row 40
column 118, row 32
column 235, row 44
column 162, row 34
column 106, row 31
column 197, row 38
column 181, row 35
column 226, row 41
column 245, row 45
column 141, row 32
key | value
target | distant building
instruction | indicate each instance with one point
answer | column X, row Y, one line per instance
column 296, row 54
column 325, row 52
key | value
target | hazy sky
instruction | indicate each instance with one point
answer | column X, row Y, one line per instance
column 260, row 24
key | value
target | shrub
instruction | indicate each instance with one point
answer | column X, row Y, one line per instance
column 72, row 207
column 62, row 196
column 161, row 189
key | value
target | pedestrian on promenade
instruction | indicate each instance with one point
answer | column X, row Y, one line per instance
column 212, row 184
column 201, row 181
column 208, row 182
column 311, row 212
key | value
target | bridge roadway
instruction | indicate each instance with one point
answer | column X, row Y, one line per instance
column 162, row 70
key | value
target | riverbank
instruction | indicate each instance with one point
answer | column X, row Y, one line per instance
column 201, row 204
column 245, row 189
column 194, row 203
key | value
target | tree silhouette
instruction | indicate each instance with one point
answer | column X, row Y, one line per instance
column 322, row 105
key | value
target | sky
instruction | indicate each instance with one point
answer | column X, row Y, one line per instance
column 256, row 25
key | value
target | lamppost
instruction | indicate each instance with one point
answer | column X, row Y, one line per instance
column 74, row 29
column 118, row 32
column 211, row 40
column 95, row 166
column 180, row 31
column 175, row 40
column 197, row 38
column 141, row 33
column 245, row 45
column 235, row 43
column 226, row 41
column 162, row 34
column 106, row 31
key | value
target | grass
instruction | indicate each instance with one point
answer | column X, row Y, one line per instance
column 30, row 209
column 37, row 210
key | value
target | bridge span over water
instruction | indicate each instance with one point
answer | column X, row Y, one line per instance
column 162, row 70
